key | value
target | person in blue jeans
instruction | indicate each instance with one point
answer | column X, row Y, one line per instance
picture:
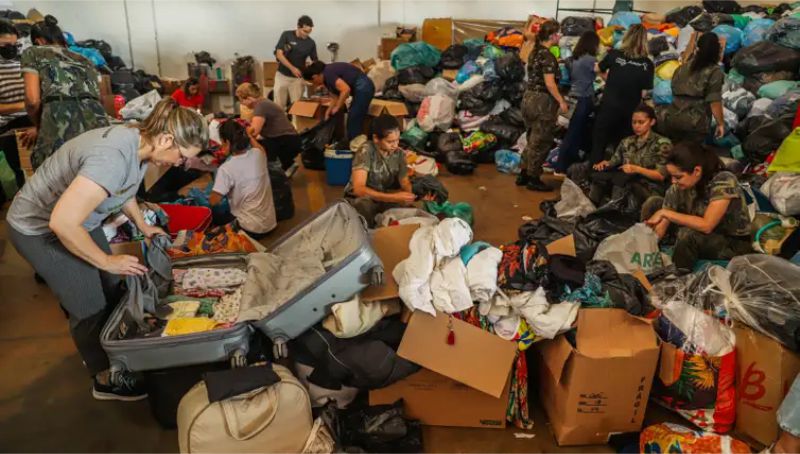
column 344, row 80
column 582, row 73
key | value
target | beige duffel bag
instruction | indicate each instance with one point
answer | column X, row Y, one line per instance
column 275, row 418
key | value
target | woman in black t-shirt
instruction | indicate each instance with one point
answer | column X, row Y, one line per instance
column 628, row 73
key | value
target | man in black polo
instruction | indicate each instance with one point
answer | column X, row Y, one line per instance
column 295, row 48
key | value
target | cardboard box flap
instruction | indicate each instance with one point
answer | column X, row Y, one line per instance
column 304, row 108
column 379, row 106
column 478, row 358
column 562, row 246
column 610, row 333
column 555, row 354
column 388, row 245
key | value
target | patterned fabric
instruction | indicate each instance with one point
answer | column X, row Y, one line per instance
column 227, row 309
column 198, row 293
column 213, row 241
column 540, row 62
column 693, row 94
column 650, row 153
column 521, row 268
column 208, row 278
column 590, row 295
column 673, row 438
column 724, row 185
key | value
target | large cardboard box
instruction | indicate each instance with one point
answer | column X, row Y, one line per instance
column 765, row 371
column 601, row 386
column 388, row 45
column 307, row 113
column 438, row 32
column 134, row 248
column 270, row 69
column 380, row 107
column 387, row 243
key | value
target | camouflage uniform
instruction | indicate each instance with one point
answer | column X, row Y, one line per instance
column 650, row 154
column 384, row 174
column 70, row 97
column 539, row 110
column 689, row 115
column 730, row 238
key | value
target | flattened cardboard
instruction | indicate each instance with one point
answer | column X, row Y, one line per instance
column 585, row 405
column 270, row 69
column 391, row 245
column 379, row 107
column 306, row 108
column 436, row 400
column 562, row 246
column 478, row 358
column 765, row 371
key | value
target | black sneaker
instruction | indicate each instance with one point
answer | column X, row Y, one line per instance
column 536, row 184
column 522, row 179
column 127, row 389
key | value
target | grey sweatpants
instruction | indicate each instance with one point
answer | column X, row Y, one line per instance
column 86, row 293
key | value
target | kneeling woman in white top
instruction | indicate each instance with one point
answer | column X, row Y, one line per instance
column 245, row 180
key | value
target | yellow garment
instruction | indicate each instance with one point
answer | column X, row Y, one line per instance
column 606, row 35
column 667, row 69
column 183, row 309
column 181, row 326
column 673, row 31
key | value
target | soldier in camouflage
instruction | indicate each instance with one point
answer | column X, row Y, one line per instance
column 68, row 101
column 637, row 167
column 540, row 106
column 697, row 95
column 707, row 205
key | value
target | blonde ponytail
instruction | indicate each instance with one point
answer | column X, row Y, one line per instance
column 188, row 127
column 248, row 90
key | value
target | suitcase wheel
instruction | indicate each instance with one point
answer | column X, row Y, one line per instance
column 376, row 275
column 238, row 359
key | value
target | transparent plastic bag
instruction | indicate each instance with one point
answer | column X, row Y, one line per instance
column 573, row 203
column 439, row 86
column 436, row 112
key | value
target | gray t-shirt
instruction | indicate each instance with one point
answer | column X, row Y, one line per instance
column 276, row 123
column 296, row 50
column 108, row 156
column 582, row 75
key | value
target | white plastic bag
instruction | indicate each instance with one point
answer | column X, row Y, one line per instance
column 404, row 216
column 469, row 122
column 380, row 73
column 760, row 107
column 436, row 112
column 783, row 190
column 473, row 81
column 139, row 108
column 439, row 86
column 632, row 250
column 413, row 92
column 573, row 203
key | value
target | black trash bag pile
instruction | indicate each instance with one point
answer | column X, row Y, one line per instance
column 481, row 98
column 100, row 45
column 313, row 142
column 391, row 89
column 762, row 135
column 506, row 133
column 576, row 26
column 766, row 56
column 513, row 116
column 459, row 163
column 705, row 22
column 510, row 68
column 682, row 16
column 415, row 75
column 381, row 428
column 123, row 82
column 612, row 218
column 454, row 56
column 722, row 6
column 624, row 290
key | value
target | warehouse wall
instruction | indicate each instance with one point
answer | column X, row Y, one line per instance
column 226, row 27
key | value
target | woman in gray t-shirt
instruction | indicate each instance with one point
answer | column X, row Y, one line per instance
column 55, row 221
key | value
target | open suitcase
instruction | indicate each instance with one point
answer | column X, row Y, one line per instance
column 352, row 265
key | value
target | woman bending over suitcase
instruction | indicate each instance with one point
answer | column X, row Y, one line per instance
column 55, row 222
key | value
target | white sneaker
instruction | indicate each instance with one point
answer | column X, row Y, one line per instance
column 292, row 170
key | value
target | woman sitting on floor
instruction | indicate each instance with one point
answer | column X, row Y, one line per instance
column 245, row 180
column 706, row 203
column 637, row 166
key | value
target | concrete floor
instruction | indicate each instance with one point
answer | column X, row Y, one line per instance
column 45, row 400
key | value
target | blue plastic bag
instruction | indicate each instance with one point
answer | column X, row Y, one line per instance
column 662, row 91
column 93, row 55
column 490, row 71
column 507, row 161
column 733, row 37
column 756, row 31
column 625, row 19
column 467, row 71
column 415, row 54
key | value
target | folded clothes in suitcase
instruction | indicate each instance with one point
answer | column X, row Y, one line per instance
column 280, row 304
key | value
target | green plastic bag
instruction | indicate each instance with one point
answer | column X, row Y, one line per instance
column 492, row 52
column 8, row 180
column 775, row 90
column 787, row 159
column 478, row 141
column 415, row 137
column 735, row 76
column 461, row 210
column 740, row 21
column 556, row 51
column 418, row 53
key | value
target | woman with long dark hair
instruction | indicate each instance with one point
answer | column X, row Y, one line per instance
column 540, row 106
column 582, row 75
column 696, row 95
column 707, row 205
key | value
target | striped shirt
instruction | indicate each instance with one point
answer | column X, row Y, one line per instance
column 12, row 88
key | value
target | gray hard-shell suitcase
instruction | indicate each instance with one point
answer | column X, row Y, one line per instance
column 142, row 354
column 356, row 266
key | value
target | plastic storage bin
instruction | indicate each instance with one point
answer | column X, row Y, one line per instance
column 338, row 166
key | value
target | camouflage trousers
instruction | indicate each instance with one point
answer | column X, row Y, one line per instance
column 540, row 112
column 688, row 125
column 63, row 120
column 692, row 245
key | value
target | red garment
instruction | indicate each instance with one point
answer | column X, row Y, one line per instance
column 194, row 102
column 796, row 119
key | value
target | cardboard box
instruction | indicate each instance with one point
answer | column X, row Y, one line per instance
column 134, row 248
column 380, row 107
column 600, row 387
column 307, row 113
column 385, row 241
column 436, row 400
column 388, row 45
column 108, row 105
column 270, row 69
column 438, row 32
column 765, row 371
column 171, row 84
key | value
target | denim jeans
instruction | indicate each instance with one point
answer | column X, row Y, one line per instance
column 576, row 134
column 363, row 92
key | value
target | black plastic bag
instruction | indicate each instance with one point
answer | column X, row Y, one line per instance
column 459, row 163
column 414, row 75
column 513, row 116
column 313, row 142
column 474, row 104
column 485, row 156
column 429, row 185
column 754, row 9
column 145, row 83
column 204, row 57
column 449, row 141
column 454, row 56
column 612, row 218
column 702, row 23
column 381, row 428
column 766, row 138
column 766, row 56
column 683, row 16
column 487, row 91
column 509, row 68
column 281, row 191
column 513, row 93
column 626, row 291
column 545, row 230
column 576, row 26
column 481, row 98
column 722, row 6
column 507, row 134
column 99, row 44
